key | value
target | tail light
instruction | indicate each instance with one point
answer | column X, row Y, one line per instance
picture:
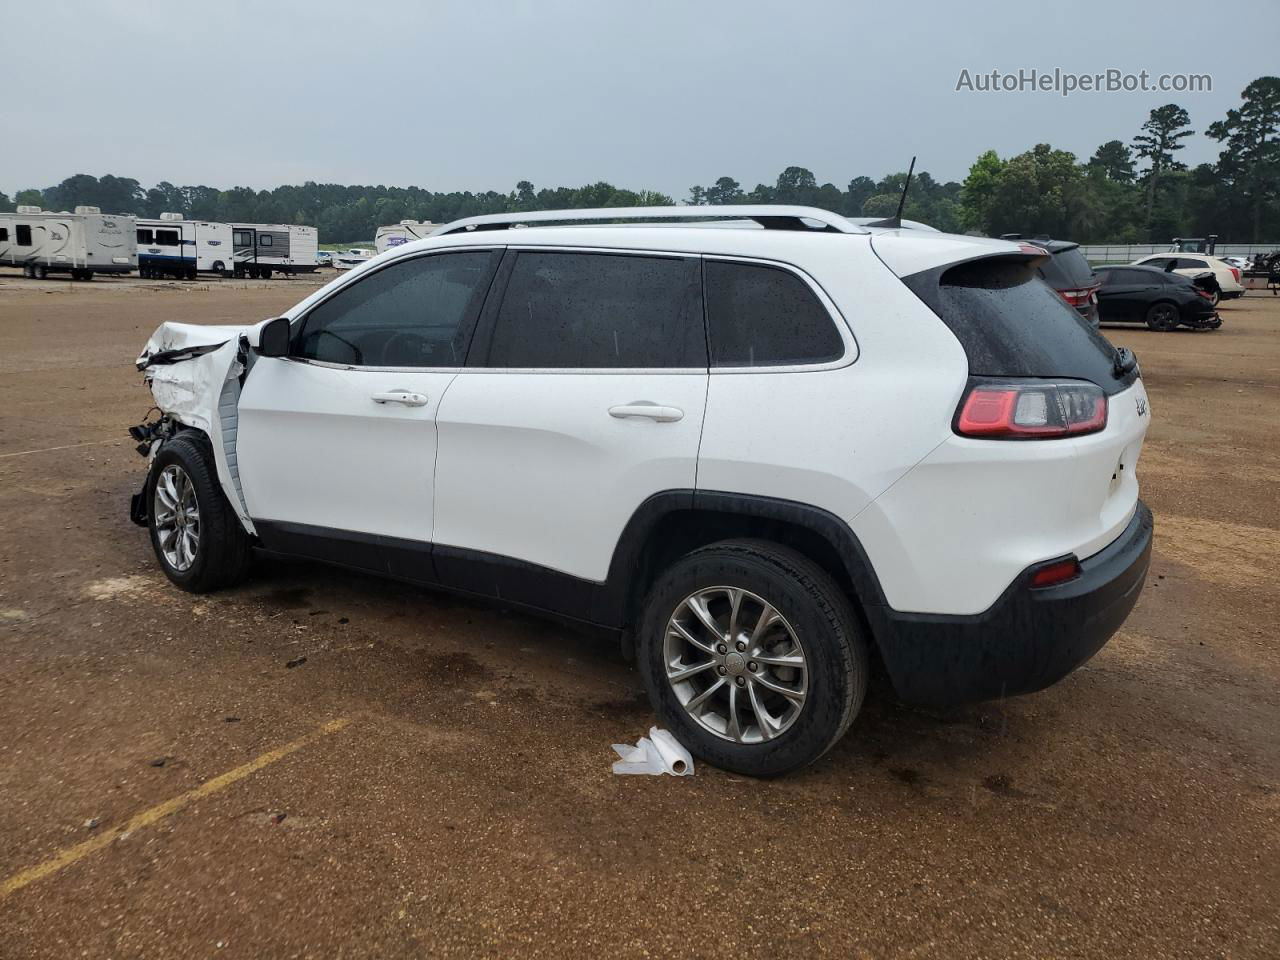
column 1031, row 409
column 1235, row 273
column 1078, row 297
column 1205, row 293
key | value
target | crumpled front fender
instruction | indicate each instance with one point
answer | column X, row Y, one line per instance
column 194, row 373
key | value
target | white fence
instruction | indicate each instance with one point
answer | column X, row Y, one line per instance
column 1100, row 253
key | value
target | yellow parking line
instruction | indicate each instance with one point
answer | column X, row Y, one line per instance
column 69, row 855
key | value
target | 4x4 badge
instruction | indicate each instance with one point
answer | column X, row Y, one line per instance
column 1142, row 405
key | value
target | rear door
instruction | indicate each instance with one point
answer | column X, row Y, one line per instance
column 1125, row 294
column 337, row 442
column 582, row 397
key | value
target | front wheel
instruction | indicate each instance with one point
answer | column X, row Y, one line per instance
column 1162, row 316
column 198, row 539
column 752, row 656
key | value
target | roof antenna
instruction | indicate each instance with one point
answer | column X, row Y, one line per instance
column 895, row 221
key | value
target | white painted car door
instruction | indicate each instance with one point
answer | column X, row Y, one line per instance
column 588, row 399
column 341, row 435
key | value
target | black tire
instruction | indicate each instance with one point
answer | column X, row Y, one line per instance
column 219, row 268
column 222, row 555
column 1215, row 298
column 1163, row 316
column 824, row 622
column 266, row 273
column 238, row 273
column 40, row 271
column 28, row 271
column 191, row 273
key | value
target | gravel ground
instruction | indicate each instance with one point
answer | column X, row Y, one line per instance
column 462, row 803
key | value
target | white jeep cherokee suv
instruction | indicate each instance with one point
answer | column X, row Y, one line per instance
column 762, row 455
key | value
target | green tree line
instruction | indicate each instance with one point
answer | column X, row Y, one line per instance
column 1131, row 192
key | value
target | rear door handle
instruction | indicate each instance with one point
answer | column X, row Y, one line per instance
column 648, row 410
column 406, row 397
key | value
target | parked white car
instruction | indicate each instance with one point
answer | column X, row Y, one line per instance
column 1190, row 264
column 758, row 456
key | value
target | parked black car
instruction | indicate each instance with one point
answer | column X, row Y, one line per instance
column 1149, row 295
column 1068, row 272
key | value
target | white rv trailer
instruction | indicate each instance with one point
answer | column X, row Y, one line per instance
column 175, row 247
column 262, row 249
column 405, row 231
column 81, row 243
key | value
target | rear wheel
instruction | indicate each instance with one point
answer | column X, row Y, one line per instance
column 219, row 268
column 40, row 271
column 266, row 273
column 1162, row 316
column 752, row 656
column 198, row 539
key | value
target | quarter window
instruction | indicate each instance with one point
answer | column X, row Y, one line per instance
column 415, row 313
column 588, row 310
column 22, row 235
column 766, row 316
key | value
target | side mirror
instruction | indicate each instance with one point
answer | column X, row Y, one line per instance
column 273, row 339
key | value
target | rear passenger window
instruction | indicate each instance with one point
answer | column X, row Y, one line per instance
column 766, row 316
column 588, row 310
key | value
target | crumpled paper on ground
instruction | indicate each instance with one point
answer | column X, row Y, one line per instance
column 654, row 755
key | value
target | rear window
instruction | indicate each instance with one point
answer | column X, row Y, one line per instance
column 592, row 310
column 766, row 316
column 1068, row 270
column 1012, row 324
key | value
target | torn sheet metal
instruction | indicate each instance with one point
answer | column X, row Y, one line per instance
column 654, row 755
column 194, row 375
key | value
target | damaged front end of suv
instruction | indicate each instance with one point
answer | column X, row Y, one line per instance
column 195, row 374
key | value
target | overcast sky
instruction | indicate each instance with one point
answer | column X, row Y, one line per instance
column 473, row 95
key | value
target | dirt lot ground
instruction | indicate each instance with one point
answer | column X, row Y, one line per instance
column 460, row 800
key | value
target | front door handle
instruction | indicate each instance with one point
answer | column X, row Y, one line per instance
column 648, row 410
column 406, row 397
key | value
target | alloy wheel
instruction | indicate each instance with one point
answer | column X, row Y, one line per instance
column 176, row 515
column 735, row 664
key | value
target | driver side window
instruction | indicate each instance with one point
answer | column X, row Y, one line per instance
column 413, row 313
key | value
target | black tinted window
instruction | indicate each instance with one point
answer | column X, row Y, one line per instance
column 22, row 235
column 599, row 310
column 145, row 236
column 167, row 238
column 1067, row 270
column 1012, row 324
column 765, row 316
column 415, row 313
column 4, row 233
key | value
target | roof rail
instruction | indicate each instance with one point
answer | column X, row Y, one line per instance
column 769, row 216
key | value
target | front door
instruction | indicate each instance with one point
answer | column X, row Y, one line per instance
column 337, row 442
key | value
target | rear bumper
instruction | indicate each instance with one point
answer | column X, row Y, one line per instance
column 1028, row 639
